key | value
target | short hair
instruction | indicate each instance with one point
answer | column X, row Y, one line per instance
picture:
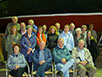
column 81, row 40
column 42, row 41
column 15, row 17
column 58, row 24
column 31, row 20
column 29, row 26
column 16, row 45
column 60, row 39
column 72, row 24
column 84, row 26
column 78, row 29
column 66, row 26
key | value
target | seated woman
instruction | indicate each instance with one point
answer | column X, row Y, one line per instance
column 52, row 37
column 16, row 62
column 40, row 35
column 92, row 46
column 13, row 38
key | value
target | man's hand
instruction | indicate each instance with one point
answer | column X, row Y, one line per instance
column 16, row 67
column 83, row 62
column 63, row 60
column 41, row 62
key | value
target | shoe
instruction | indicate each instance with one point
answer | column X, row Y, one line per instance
column 59, row 73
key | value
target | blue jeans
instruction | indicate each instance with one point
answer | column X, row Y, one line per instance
column 42, row 68
column 65, row 67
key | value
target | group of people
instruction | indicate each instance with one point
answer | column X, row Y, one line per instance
column 32, row 44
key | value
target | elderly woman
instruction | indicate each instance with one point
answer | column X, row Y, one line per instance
column 78, row 36
column 28, row 43
column 92, row 46
column 13, row 38
column 52, row 37
column 35, row 28
column 16, row 62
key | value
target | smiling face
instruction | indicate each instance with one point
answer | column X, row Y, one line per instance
column 22, row 25
column 40, row 30
column 60, row 42
column 66, row 29
column 52, row 30
column 89, row 34
column 14, row 30
column 16, row 49
column 42, row 45
column 81, row 44
column 29, row 30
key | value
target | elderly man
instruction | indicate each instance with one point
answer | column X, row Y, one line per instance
column 42, row 59
column 68, row 38
column 83, row 59
column 14, row 22
column 62, row 58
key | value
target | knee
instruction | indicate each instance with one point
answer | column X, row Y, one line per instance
column 72, row 60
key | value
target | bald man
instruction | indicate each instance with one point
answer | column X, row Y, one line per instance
column 42, row 59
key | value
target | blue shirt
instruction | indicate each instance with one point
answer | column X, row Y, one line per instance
column 36, row 28
column 68, row 40
column 41, row 55
column 81, row 54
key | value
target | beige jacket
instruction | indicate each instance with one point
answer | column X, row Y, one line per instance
column 88, row 57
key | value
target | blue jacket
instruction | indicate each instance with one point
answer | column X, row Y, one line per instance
column 59, row 53
column 25, row 45
column 47, row 55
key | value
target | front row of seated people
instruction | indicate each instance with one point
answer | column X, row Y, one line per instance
column 42, row 59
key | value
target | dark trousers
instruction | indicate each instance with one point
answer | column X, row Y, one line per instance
column 26, row 68
column 17, row 73
column 42, row 68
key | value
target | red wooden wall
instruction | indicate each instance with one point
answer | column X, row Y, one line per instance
column 50, row 20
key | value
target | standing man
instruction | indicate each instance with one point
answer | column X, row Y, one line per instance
column 68, row 38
